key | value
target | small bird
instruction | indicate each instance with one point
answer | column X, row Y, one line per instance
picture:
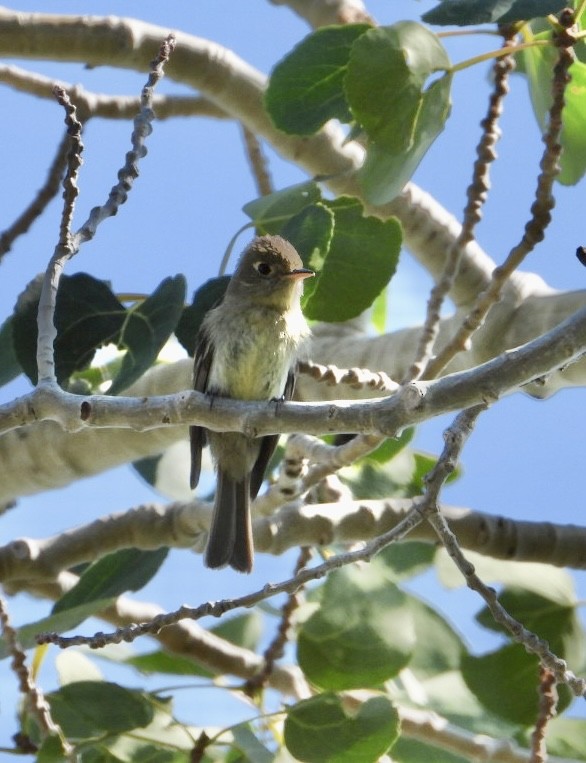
column 247, row 349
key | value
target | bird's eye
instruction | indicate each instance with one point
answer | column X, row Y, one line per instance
column 263, row 268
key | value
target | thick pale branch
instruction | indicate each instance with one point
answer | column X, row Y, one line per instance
column 551, row 355
column 237, row 88
column 181, row 525
column 324, row 12
column 108, row 106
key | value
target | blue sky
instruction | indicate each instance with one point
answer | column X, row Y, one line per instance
column 525, row 458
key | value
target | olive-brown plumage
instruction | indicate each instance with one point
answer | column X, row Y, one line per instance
column 246, row 349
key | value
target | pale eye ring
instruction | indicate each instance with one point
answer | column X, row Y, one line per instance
column 263, row 268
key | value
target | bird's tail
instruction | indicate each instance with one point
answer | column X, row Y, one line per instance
column 230, row 539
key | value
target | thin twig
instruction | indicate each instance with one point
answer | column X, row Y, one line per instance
column 357, row 378
column 90, row 104
column 65, row 248
column 276, row 648
column 44, row 195
column 142, row 129
column 69, row 244
column 540, row 211
column 36, row 703
column 477, row 193
column 548, row 699
column 258, row 162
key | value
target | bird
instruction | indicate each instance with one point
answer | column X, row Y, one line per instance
column 247, row 349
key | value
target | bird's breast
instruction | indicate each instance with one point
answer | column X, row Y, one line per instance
column 253, row 352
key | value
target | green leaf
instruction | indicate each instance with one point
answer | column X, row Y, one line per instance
column 10, row 368
column 170, row 664
column 361, row 635
column 391, row 446
column 506, row 682
column 147, row 326
column 147, row 468
column 557, row 623
column 412, row 751
column 566, row 737
column 58, row 623
column 466, row 12
column 386, row 73
column 385, row 172
column 269, row 213
column 248, row 743
column 306, row 88
column 406, row 559
column 311, row 232
column 243, row 630
column 87, row 316
column 545, row 580
column 51, row 750
column 439, row 647
column 90, row 708
column 379, row 312
column 328, row 729
column 361, row 261
column 207, row 296
column 127, row 570
column 538, row 66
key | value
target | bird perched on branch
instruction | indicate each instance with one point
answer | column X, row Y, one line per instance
column 246, row 349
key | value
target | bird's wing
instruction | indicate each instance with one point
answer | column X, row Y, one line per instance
column 268, row 444
column 201, row 371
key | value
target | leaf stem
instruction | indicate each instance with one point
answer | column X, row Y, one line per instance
column 512, row 50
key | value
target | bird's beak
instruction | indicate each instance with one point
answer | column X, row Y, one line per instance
column 300, row 274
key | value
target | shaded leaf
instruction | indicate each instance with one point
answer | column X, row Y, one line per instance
column 439, row 647
column 51, row 750
column 413, row 751
column 269, row 213
column 10, row 368
column 326, row 729
column 243, row 630
column 566, row 737
column 506, row 682
column 545, row 580
column 306, row 88
column 406, row 559
column 248, row 743
column 361, row 635
column 466, row 12
column 391, row 446
column 167, row 663
column 558, row 623
column 87, row 316
column 207, row 296
column 127, row 570
column 89, row 708
column 58, row 623
column 147, row 326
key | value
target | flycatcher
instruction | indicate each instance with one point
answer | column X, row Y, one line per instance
column 247, row 349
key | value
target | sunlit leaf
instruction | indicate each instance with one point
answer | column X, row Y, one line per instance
column 306, row 88
column 538, row 66
column 362, row 258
